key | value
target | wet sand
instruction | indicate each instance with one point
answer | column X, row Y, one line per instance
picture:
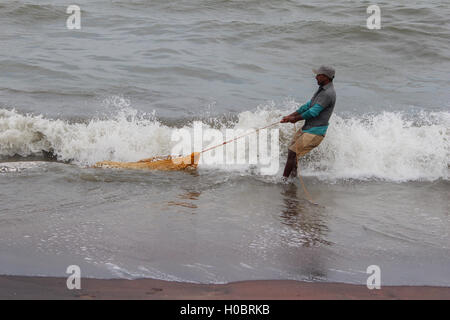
column 19, row 287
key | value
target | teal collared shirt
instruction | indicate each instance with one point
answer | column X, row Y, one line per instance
column 308, row 112
column 318, row 110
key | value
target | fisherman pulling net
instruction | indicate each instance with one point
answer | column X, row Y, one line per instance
column 316, row 113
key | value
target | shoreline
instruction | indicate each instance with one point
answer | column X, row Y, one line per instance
column 51, row 288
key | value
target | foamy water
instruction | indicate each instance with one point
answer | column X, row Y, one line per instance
column 389, row 146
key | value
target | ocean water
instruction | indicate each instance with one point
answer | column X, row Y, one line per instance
column 139, row 71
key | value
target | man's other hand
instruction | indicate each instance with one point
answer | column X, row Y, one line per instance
column 289, row 118
column 286, row 119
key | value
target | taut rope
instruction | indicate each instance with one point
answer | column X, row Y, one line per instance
column 248, row 133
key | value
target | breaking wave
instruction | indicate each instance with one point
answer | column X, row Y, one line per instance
column 388, row 146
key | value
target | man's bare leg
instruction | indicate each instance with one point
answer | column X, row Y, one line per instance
column 291, row 164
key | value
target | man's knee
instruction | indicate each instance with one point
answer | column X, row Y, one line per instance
column 291, row 154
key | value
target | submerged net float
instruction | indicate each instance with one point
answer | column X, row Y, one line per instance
column 168, row 163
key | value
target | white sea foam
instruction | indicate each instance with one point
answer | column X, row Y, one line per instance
column 385, row 146
column 20, row 166
column 388, row 146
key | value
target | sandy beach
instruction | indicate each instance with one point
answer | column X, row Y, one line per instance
column 49, row 288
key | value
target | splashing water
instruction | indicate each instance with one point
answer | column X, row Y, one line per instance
column 386, row 146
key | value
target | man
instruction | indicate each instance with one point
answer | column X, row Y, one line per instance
column 316, row 113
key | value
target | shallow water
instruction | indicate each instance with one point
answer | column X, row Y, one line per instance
column 218, row 227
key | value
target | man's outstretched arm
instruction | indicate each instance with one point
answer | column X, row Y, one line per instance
column 312, row 112
column 296, row 115
column 292, row 118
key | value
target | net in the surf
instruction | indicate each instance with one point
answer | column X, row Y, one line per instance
column 167, row 163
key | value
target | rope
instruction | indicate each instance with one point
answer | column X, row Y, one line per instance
column 224, row 143
column 308, row 196
column 248, row 133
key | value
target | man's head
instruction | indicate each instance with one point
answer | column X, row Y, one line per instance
column 324, row 75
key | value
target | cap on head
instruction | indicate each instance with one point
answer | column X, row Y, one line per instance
column 326, row 70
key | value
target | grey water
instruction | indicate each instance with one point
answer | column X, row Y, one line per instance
column 138, row 70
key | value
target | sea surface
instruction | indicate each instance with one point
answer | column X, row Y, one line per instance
column 139, row 72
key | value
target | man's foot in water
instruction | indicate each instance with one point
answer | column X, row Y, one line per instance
column 294, row 172
column 289, row 180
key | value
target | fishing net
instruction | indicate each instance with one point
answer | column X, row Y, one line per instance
column 168, row 163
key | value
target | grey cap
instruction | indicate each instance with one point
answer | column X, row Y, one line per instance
column 326, row 70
